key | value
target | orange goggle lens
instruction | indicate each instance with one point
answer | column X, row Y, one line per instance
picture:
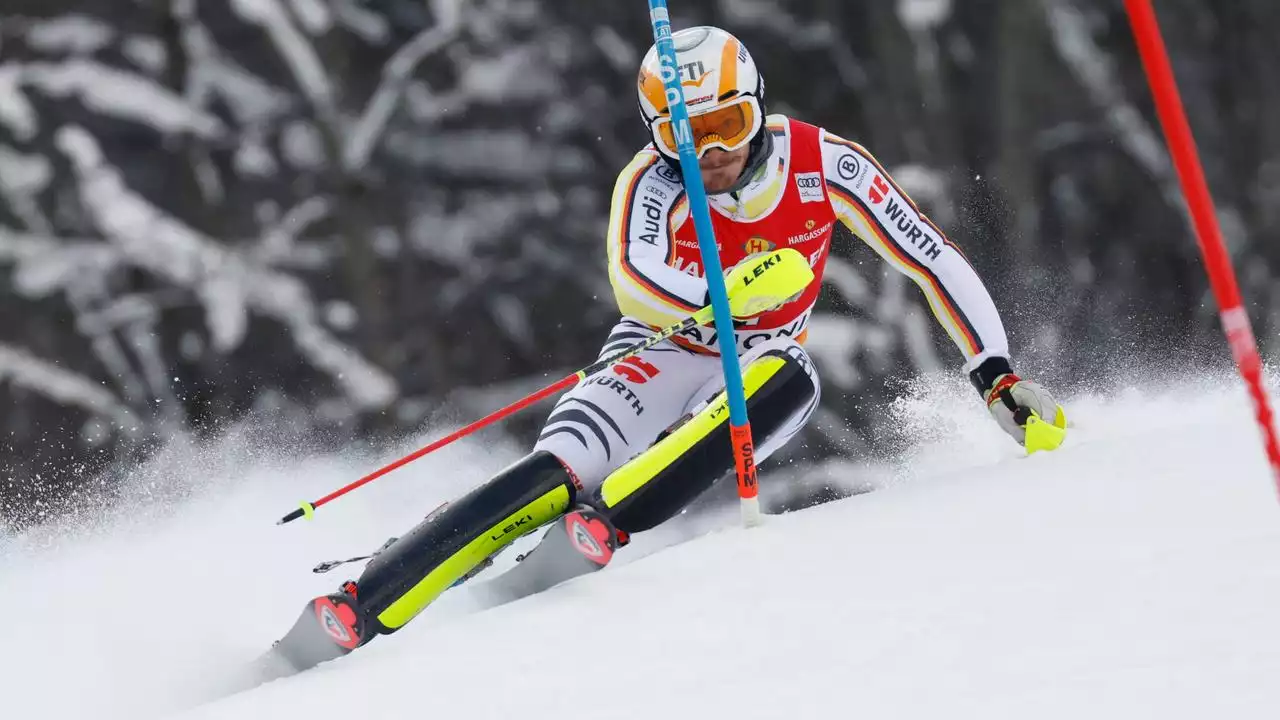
column 728, row 127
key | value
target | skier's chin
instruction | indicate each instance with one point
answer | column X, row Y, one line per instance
column 720, row 179
column 721, row 170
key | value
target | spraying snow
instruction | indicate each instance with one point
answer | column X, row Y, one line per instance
column 141, row 613
column 1130, row 574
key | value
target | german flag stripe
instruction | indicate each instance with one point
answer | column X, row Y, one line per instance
column 678, row 208
column 964, row 329
column 624, row 260
column 863, row 151
column 833, row 140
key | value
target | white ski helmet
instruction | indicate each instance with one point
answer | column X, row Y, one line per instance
column 723, row 90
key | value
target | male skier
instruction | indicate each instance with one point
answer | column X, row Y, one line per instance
column 629, row 448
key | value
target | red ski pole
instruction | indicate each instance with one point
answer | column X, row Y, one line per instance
column 702, row 317
column 1182, row 146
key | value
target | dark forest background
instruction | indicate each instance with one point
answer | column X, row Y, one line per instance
column 365, row 219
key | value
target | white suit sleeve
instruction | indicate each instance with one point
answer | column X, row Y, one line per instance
column 645, row 283
column 878, row 212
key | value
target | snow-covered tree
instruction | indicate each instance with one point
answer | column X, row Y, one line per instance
column 356, row 211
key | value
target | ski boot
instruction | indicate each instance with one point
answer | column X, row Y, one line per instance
column 329, row 627
column 580, row 542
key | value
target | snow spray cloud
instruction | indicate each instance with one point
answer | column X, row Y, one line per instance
column 146, row 607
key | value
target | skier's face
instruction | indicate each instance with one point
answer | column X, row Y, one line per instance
column 720, row 169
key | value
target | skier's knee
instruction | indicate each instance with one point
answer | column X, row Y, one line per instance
column 657, row 484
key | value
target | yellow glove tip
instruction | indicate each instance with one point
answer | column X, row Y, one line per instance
column 1042, row 435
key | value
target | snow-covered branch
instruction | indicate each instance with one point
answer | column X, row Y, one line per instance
column 78, row 268
column 369, row 25
column 16, row 111
column 278, row 244
column 103, row 89
column 74, row 34
column 251, row 99
column 313, row 15
column 225, row 282
column 43, row 265
column 295, row 48
column 64, row 387
column 22, row 178
column 1094, row 69
column 395, row 76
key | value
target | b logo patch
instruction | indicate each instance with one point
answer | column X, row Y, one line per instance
column 848, row 166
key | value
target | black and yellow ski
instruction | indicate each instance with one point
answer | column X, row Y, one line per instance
column 408, row 574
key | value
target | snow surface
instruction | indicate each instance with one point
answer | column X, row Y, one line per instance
column 1132, row 574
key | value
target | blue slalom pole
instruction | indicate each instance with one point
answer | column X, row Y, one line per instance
column 739, row 425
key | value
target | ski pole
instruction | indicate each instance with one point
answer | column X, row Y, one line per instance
column 702, row 317
column 739, row 424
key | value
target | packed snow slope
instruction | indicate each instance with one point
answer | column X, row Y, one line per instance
column 1135, row 573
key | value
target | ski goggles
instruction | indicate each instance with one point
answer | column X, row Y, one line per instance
column 727, row 127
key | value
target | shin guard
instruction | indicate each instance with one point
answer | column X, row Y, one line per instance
column 406, row 577
column 658, row 483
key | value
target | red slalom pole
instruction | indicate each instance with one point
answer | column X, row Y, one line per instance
column 1182, row 147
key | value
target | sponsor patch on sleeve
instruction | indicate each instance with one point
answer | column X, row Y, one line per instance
column 810, row 187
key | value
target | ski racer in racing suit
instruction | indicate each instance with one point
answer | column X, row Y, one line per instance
column 629, row 448
column 772, row 182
